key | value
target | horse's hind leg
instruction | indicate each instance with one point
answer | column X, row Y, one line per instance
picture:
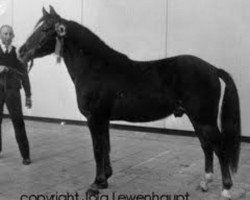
column 209, row 155
column 99, row 131
column 217, row 142
column 212, row 140
column 225, row 170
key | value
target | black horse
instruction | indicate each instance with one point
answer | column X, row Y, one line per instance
column 110, row 86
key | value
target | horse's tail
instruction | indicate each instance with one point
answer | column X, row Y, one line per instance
column 230, row 121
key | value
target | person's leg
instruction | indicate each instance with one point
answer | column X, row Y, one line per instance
column 2, row 96
column 13, row 101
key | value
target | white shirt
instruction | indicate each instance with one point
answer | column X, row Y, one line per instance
column 4, row 48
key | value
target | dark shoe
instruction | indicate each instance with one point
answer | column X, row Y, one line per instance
column 26, row 161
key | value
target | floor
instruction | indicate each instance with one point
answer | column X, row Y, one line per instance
column 157, row 166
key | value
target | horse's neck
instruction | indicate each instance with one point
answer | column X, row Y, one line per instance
column 72, row 56
column 78, row 62
column 94, row 46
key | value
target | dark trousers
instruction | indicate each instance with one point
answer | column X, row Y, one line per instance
column 12, row 98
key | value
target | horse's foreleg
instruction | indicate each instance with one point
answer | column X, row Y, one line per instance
column 99, row 138
column 107, row 163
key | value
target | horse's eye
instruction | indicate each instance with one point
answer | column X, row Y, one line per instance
column 46, row 27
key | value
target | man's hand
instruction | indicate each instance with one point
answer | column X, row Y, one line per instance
column 3, row 69
column 28, row 102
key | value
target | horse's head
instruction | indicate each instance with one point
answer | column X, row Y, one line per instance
column 49, row 29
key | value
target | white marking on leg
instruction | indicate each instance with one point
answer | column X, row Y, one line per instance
column 222, row 92
column 204, row 185
column 209, row 177
column 226, row 193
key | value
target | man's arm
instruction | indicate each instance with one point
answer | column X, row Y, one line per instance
column 25, row 83
column 21, row 70
column 26, row 86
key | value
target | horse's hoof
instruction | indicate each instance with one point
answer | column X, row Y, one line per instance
column 100, row 185
column 92, row 192
column 108, row 173
column 203, row 186
column 225, row 198
column 225, row 195
column 209, row 177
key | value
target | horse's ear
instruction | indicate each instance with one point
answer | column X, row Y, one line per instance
column 45, row 13
column 52, row 10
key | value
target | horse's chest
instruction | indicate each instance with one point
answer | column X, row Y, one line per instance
column 87, row 99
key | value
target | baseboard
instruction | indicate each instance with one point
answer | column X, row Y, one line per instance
column 245, row 139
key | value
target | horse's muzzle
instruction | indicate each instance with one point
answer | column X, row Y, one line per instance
column 24, row 55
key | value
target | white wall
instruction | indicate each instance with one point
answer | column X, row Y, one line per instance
column 6, row 12
column 53, row 92
column 217, row 31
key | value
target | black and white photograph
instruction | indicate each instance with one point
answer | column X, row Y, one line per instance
column 124, row 100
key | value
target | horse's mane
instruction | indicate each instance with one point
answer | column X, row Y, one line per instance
column 91, row 44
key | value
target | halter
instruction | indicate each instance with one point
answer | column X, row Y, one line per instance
column 31, row 64
column 61, row 32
